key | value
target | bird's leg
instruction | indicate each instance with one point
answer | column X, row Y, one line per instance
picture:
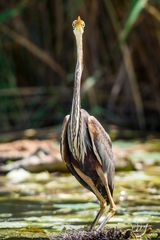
column 99, row 214
column 113, row 207
column 90, row 183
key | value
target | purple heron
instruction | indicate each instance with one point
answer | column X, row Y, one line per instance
column 86, row 148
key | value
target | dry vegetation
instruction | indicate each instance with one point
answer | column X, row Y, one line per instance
column 122, row 53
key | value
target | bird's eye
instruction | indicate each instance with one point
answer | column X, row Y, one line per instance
column 83, row 24
column 73, row 25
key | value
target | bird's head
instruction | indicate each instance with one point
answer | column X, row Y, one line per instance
column 78, row 26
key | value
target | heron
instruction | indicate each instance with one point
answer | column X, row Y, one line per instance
column 85, row 146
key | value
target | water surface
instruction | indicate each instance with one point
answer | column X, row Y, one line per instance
column 34, row 205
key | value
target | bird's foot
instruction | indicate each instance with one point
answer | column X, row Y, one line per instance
column 91, row 227
column 107, row 218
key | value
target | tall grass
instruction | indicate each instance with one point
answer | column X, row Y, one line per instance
column 37, row 59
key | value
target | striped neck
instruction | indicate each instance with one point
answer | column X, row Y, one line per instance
column 76, row 105
column 74, row 125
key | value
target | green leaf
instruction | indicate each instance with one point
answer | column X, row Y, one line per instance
column 136, row 7
column 9, row 13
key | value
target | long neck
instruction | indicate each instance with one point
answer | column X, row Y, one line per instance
column 75, row 110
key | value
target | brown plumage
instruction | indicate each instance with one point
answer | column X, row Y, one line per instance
column 85, row 146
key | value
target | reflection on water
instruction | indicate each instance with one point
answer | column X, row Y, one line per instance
column 54, row 202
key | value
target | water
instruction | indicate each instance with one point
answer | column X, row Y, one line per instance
column 36, row 205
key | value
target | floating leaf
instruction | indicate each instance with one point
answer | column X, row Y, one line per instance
column 77, row 206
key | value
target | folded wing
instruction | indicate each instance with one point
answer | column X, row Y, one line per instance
column 102, row 148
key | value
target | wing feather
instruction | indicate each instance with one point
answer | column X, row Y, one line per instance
column 67, row 155
column 102, row 148
column 63, row 148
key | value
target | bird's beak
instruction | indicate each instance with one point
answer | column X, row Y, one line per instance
column 78, row 23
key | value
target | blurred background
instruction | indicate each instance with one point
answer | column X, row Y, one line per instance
column 120, row 85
